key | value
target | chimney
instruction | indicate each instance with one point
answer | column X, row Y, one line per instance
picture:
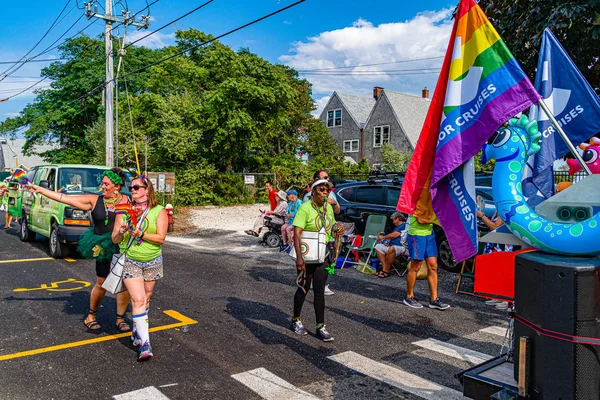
column 377, row 92
column 425, row 93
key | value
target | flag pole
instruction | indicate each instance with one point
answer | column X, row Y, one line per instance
column 564, row 137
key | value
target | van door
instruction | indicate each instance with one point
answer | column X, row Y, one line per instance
column 43, row 205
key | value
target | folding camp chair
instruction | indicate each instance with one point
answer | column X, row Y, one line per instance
column 375, row 225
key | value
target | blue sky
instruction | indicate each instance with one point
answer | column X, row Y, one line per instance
column 316, row 34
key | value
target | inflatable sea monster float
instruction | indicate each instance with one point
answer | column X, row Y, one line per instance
column 511, row 146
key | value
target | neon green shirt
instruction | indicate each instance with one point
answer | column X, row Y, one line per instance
column 309, row 220
column 417, row 229
column 146, row 251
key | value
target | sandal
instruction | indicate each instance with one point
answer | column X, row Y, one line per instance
column 122, row 326
column 92, row 325
column 383, row 274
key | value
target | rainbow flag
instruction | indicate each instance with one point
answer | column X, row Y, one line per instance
column 128, row 212
column 480, row 87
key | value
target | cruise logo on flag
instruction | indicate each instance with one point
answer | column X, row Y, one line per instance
column 574, row 104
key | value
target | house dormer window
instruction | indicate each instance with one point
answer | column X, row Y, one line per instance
column 334, row 118
column 381, row 135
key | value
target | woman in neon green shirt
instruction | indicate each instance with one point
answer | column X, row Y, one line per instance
column 312, row 216
column 143, row 260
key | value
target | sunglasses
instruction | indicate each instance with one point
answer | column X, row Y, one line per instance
column 325, row 177
column 323, row 189
column 136, row 187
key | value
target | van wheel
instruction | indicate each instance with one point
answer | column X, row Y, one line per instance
column 445, row 256
column 57, row 249
column 26, row 234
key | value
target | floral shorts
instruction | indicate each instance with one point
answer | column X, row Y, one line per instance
column 151, row 270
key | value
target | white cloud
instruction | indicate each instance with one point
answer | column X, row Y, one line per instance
column 155, row 41
column 11, row 114
column 320, row 103
column 286, row 22
column 424, row 36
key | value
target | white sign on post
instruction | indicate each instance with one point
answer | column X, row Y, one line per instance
column 249, row 179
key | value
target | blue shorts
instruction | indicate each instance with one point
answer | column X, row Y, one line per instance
column 422, row 247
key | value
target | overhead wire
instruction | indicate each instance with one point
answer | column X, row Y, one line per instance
column 40, row 40
column 169, row 23
column 100, row 87
column 371, row 65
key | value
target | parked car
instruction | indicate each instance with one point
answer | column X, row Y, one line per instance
column 360, row 199
column 62, row 224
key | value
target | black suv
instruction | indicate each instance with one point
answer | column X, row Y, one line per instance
column 358, row 200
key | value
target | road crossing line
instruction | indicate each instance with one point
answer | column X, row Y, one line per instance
column 271, row 387
column 148, row 393
column 396, row 377
column 450, row 350
column 495, row 330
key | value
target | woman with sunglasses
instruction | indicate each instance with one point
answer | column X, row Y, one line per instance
column 313, row 215
column 143, row 259
column 96, row 242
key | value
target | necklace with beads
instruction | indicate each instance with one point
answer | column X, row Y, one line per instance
column 111, row 206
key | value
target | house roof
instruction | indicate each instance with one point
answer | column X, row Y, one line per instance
column 359, row 107
column 410, row 111
column 15, row 146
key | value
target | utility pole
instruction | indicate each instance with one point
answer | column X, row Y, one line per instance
column 109, row 87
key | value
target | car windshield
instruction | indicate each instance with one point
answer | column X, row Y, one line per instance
column 85, row 180
column 80, row 180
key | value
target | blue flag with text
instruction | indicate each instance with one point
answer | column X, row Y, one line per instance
column 574, row 104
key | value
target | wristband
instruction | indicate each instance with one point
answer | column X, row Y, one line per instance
column 142, row 237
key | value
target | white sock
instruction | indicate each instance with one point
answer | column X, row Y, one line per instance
column 140, row 324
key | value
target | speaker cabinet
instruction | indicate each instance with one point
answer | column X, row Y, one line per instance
column 561, row 294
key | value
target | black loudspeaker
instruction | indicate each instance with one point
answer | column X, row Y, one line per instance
column 560, row 294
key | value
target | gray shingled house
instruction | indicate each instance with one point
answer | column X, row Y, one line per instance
column 360, row 125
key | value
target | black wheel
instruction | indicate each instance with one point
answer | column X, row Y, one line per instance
column 273, row 240
column 445, row 256
column 26, row 234
column 57, row 249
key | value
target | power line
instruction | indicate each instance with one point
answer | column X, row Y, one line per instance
column 100, row 87
column 370, row 71
column 169, row 23
column 39, row 41
column 44, row 60
column 133, row 16
column 371, row 65
column 373, row 74
column 24, row 90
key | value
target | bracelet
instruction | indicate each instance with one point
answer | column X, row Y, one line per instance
column 142, row 237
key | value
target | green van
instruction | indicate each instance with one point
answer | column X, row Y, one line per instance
column 62, row 224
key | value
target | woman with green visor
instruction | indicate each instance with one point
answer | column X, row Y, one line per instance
column 96, row 242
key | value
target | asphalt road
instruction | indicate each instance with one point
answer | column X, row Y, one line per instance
column 231, row 337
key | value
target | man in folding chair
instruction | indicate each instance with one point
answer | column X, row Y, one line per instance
column 390, row 246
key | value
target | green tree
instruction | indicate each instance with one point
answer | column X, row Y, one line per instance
column 576, row 24
column 393, row 160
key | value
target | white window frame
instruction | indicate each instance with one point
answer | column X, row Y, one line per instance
column 375, row 144
column 351, row 142
column 376, row 167
column 333, row 124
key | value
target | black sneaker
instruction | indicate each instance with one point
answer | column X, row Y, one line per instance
column 412, row 302
column 324, row 335
column 438, row 304
column 298, row 328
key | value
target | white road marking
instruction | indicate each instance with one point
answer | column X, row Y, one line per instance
column 495, row 330
column 396, row 377
column 450, row 350
column 271, row 387
column 148, row 393
column 168, row 385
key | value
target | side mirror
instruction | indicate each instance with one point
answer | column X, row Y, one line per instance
column 44, row 184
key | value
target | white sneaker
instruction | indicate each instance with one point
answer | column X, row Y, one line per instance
column 328, row 292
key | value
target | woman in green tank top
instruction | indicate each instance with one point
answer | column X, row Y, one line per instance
column 143, row 260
